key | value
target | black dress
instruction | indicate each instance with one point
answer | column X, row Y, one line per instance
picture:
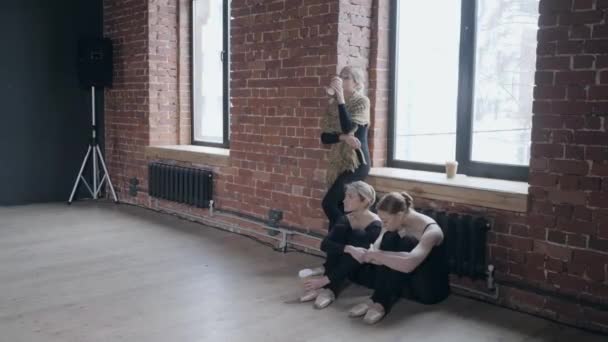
column 340, row 266
column 427, row 284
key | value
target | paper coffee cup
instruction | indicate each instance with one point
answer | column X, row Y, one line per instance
column 451, row 168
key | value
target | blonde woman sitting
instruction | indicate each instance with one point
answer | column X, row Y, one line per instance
column 345, row 245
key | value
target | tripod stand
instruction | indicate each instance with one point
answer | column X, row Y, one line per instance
column 95, row 154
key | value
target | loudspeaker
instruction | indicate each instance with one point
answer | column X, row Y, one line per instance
column 95, row 62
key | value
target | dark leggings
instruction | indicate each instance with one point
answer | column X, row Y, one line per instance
column 333, row 205
column 342, row 266
column 427, row 284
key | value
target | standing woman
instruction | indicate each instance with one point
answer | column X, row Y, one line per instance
column 345, row 127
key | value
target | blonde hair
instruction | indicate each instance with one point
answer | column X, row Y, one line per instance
column 395, row 202
column 356, row 74
column 364, row 190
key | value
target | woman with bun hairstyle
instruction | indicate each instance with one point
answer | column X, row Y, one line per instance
column 410, row 259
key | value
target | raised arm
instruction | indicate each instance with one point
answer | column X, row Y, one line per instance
column 346, row 122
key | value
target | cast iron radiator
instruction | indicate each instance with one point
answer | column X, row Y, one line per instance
column 180, row 184
column 465, row 238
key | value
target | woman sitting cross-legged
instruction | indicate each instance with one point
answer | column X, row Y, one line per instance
column 410, row 256
column 345, row 244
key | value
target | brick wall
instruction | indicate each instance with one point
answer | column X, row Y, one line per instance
column 184, row 98
column 564, row 241
column 127, row 109
column 163, row 42
column 354, row 27
column 550, row 261
column 536, row 275
column 282, row 53
column 149, row 103
column 379, row 82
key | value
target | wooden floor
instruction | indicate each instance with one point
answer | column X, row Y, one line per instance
column 104, row 272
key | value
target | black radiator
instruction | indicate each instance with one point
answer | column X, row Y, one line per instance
column 465, row 238
column 180, row 184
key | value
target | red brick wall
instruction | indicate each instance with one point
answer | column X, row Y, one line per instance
column 550, row 261
column 149, row 103
column 127, row 106
column 184, row 99
column 282, row 53
column 379, row 82
column 535, row 274
column 163, row 40
column 562, row 246
column 354, row 26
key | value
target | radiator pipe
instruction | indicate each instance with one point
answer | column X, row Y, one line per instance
column 490, row 279
column 493, row 295
column 220, row 225
column 284, row 243
column 490, row 285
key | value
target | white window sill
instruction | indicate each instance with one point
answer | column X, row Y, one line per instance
column 482, row 192
column 212, row 156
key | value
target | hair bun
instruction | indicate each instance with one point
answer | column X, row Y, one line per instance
column 409, row 201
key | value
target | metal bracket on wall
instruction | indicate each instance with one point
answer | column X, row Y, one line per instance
column 133, row 183
column 274, row 217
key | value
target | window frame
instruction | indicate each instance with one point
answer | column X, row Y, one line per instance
column 464, row 113
column 226, row 78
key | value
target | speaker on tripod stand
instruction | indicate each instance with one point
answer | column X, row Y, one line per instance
column 94, row 70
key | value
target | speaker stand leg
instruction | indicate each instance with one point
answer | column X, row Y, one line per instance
column 95, row 156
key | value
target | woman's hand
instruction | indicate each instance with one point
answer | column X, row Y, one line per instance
column 315, row 283
column 351, row 141
column 336, row 84
column 356, row 252
column 373, row 257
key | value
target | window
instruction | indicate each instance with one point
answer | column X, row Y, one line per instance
column 210, row 67
column 463, row 81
